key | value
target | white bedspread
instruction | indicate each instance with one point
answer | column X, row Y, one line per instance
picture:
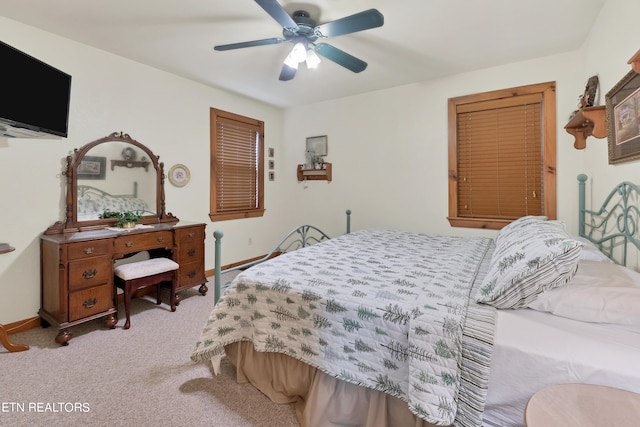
column 533, row 350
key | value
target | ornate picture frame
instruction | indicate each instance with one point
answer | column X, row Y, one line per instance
column 623, row 119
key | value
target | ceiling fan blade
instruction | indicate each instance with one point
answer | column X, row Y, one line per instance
column 277, row 12
column 350, row 24
column 340, row 57
column 287, row 73
column 274, row 40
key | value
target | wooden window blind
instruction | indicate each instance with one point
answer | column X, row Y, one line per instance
column 500, row 164
column 237, row 171
column 500, row 158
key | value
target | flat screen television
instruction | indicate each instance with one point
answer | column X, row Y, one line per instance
column 34, row 96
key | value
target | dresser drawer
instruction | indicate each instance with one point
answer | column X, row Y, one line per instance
column 191, row 274
column 191, row 253
column 190, row 235
column 90, row 272
column 144, row 241
column 88, row 249
column 90, row 301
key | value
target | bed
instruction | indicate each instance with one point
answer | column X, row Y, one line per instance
column 393, row 328
column 94, row 201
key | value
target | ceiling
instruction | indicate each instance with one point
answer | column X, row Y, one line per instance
column 420, row 39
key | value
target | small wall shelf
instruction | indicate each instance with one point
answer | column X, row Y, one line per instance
column 588, row 121
column 323, row 174
column 130, row 164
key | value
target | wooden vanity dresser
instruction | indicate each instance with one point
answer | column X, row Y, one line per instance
column 78, row 253
column 77, row 269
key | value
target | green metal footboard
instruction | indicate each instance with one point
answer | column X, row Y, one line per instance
column 300, row 237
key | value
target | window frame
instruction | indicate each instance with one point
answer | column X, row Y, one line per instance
column 258, row 211
column 548, row 132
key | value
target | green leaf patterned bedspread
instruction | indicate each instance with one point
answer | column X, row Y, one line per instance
column 389, row 310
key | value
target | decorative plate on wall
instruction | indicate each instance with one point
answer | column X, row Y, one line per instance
column 179, row 175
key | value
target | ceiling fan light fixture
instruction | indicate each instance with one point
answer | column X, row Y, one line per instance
column 299, row 52
column 313, row 60
column 291, row 61
column 301, row 31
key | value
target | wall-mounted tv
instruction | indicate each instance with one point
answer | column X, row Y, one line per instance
column 34, row 96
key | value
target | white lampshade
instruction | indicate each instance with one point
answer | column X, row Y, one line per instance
column 312, row 59
column 299, row 52
column 290, row 61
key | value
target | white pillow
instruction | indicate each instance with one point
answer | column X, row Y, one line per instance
column 590, row 252
column 600, row 292
column 530, row 258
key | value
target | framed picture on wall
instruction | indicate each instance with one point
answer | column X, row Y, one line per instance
column 179, row 175
column 317, row 144
column 623, row 119
column 92, row 167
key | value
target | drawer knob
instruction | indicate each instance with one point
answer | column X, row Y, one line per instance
column 88, row 251
column 90, row 302
column 128, row 244
column 191, row 235
column 191, row 274
column 191, row 252
column 90, row 274
column 161, row 239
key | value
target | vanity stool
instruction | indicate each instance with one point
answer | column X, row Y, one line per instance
column 135, row 275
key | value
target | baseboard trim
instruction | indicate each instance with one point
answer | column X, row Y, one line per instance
column 34, row 322
column 210, row 273
column 22, row 325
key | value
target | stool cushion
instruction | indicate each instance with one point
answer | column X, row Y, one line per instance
column 148, row 267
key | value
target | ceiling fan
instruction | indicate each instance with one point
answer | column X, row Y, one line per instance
column 302, row 31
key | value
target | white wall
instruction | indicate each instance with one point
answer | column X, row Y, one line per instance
column 388, row 148
column 109, row 93
column 610, row 45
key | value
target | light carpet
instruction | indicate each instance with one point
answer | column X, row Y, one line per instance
column 138, row 377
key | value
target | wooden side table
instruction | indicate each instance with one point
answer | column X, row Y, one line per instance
column 582, row 405
column 4, row 333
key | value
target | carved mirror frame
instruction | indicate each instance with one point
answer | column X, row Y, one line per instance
column 72, row 224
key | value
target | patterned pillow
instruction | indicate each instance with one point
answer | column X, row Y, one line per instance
column 528, row 259
column 86, row 206
column 517, row 225
column 119, row 204
column 133, row 204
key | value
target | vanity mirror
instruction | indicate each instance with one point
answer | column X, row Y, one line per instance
column 115, row 173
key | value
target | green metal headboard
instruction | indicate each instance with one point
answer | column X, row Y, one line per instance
column 300, row 237
column 616, row 224
column 86, row 191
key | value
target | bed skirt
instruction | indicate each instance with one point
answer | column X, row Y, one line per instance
column 321, row 400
